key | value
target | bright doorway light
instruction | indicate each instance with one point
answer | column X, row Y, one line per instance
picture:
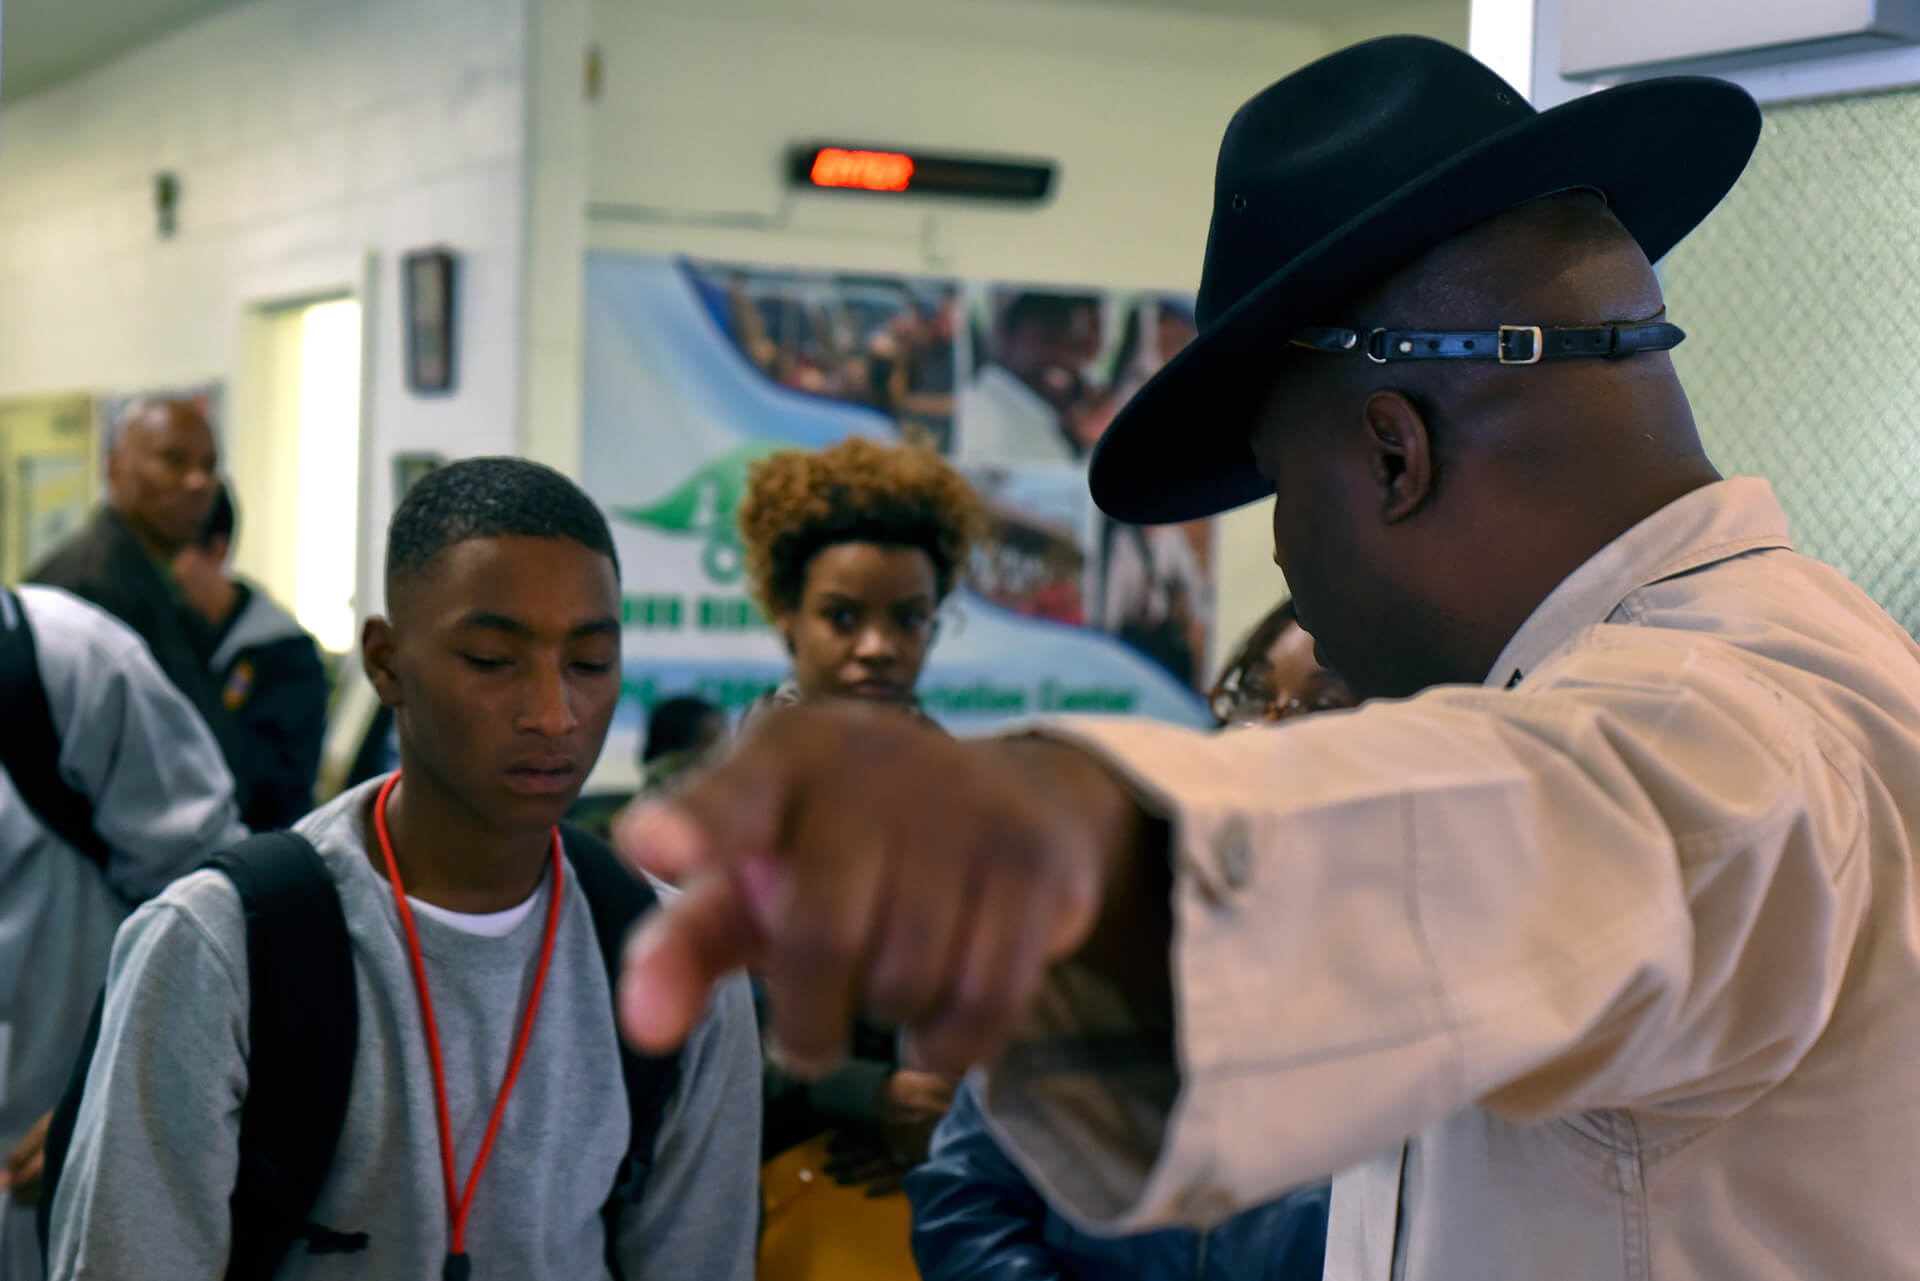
column 326, row 541
column 1500, row 34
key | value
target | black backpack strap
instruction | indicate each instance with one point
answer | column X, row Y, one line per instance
column 30, row 747
column 304, row 1025
column 617, row 899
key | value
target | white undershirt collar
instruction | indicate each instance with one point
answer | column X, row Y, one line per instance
column 491, row 925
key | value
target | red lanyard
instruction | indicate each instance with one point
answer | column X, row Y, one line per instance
column 458, row 1203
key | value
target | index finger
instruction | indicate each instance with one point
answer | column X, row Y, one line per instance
column 729, row 811
column 662, row 838
column 677, row 955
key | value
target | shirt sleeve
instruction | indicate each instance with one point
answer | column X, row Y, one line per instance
column 700, row 1214
column 1633, row 884
column 163, row 798
column 156, row 1144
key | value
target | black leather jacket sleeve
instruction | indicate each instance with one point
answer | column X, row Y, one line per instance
column 975, row 1216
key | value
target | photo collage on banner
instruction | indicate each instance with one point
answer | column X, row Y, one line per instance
column 1050, row 371
column 694, row 370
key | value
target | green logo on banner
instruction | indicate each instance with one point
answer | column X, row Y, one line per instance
column 703, row 506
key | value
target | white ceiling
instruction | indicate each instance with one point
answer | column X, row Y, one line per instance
column 43, row 42
column 1336, row 12
column 1342, row 21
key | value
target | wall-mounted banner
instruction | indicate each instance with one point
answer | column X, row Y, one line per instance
column 696, row 369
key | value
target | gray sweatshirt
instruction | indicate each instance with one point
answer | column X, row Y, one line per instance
column 156, row 1144
column 162, row 800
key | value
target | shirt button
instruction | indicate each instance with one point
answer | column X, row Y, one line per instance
column 1234, row 847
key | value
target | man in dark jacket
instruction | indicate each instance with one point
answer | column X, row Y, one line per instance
column 977, row 1218
column 271, row 677
column 161, row 476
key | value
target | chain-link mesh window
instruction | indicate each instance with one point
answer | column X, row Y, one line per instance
column 1801, row 299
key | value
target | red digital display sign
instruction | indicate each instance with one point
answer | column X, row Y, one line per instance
column 893, row 172
column 864, row 170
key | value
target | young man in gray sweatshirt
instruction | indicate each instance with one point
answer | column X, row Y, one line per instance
column 501, row 658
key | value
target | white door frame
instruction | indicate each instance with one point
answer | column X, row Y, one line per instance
column 314, row 278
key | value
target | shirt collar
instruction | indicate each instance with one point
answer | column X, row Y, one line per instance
column 1713, row 523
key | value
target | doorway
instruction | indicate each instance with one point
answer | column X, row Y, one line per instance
column 294, row 460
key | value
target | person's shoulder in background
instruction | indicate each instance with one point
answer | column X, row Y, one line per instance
column 70, row 629
column 83, row 563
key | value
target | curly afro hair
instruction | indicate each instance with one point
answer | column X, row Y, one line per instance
column 858, row 491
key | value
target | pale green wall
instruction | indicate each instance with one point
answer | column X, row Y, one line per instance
column 1801, row 299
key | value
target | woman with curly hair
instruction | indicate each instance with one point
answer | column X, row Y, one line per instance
column 852, row 550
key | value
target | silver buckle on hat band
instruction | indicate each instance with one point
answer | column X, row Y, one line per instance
column 1536, row 348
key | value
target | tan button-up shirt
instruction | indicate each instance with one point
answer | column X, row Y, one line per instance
column 1610, row 969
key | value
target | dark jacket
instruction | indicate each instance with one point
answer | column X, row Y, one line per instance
column 976, row 1218
column 274, row 685
column 104, row 563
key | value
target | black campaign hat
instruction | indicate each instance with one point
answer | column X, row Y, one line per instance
column 1352, row 167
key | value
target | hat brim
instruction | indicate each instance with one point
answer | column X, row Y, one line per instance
column 1664, row 153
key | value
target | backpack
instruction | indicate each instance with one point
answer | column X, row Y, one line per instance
column 30, row 749
column 303, row 1019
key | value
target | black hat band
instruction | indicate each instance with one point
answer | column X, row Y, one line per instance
column 1508, row 345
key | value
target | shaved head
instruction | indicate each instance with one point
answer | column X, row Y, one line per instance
column 1427, row 507
column 163, row 473
column 1562, row 260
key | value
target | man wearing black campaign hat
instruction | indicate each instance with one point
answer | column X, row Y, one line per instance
column 1591, row 946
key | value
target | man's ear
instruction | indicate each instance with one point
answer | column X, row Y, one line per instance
column 1399, row 453
column 376, row 657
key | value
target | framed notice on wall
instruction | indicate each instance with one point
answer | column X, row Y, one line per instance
column 47, row 486
column 52, row 490
column 428, row 280
column 409, row 468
